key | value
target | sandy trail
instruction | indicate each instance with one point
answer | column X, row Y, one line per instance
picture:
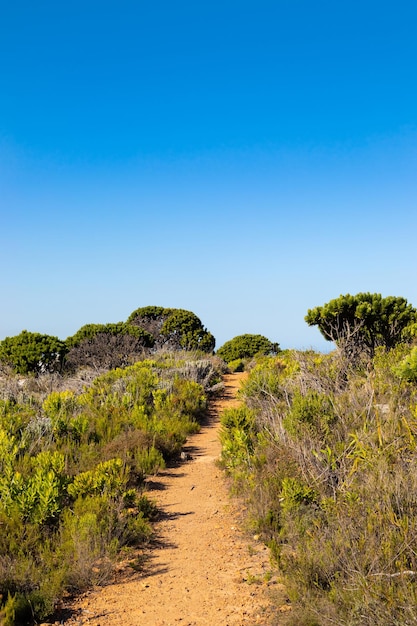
column 202, row 569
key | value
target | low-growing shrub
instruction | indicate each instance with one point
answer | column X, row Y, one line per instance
column 149, row 460
column 237, row 365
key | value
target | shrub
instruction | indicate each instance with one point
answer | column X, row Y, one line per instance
column 149, row 461
column 33, row 352
column 173, row 329
column 246, row 346
column 311, row 414
column 109, row 477
column 359, row 324
column 237, row 365
column 407, row 369
column 107, row 346
column 238, row 438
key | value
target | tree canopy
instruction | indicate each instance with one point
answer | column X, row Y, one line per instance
column 359, row 324
column 246, row 346
column 33, row 352
column 173, row 329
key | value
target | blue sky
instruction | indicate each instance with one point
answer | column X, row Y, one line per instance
column 246, row 161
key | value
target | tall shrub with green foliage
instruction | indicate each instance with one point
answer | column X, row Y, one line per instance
column 173, row 329
column 359, row 324
column 33, row 353
column 246, row 346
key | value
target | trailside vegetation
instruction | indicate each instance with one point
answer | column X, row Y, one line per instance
column 33, row 352
column 173, row 329
column 359, row 324
column 107, row 346
column 325, row 454
column 246, row 346
column 73, row 464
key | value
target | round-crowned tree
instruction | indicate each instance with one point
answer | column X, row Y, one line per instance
column 359, row 324
column 107, row 345
column 246, row 346
column 33, row 353
column 173, row 329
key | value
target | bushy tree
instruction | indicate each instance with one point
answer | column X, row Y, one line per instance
column 107, row 345
column 246, row 346
column 359, row 324
column 33, row 352
column 173, row 329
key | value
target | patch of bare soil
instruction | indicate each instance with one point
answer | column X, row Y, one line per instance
column 202, row 569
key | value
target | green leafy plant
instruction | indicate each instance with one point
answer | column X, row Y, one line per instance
column 407, row 369
column 33, row 352
column 246, row 346
column 359, row 324
column 149, row 461
column 173, row 329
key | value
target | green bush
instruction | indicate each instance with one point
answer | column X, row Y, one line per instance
column 238, row 365
column 173, row 329
column 246, row 346
column 108, row 478
column 311, row 414
column 17, row 610
column 90, row 332
column 359, row 324
column 238, row 438
column 294, row 494
column 149, row 461
column 33, row 353
column 407, row 369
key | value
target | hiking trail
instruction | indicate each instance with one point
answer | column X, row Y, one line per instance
column 201, row 568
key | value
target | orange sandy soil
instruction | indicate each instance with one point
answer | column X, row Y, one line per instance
column 202, row 568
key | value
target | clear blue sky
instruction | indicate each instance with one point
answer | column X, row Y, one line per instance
column 243, row 160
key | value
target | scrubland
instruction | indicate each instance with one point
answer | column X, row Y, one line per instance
column 323, row 450
column 325, row 453
column 74, row 455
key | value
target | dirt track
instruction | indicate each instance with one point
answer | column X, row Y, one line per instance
column 202, row 569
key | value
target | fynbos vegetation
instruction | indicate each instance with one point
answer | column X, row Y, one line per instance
column 74, row 455
column 107, row 346
column 239, row 350
column 325, row 450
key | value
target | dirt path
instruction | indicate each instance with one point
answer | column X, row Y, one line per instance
column 203, row 569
